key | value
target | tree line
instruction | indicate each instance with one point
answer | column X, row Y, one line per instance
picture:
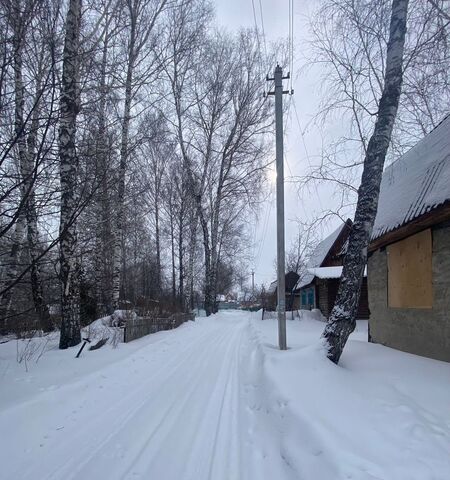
column 133, row 145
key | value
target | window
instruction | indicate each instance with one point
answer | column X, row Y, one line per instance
column 308, row 297
column 410, row 272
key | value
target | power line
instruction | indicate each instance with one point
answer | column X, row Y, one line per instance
column 265, row 226
column 256, row 25
column 291, row 41
column 306, row 150
column 262, row 26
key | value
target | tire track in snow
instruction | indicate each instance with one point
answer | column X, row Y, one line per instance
column 171, row 412
column 177, row 374
column 154, row 456
column 116, row 415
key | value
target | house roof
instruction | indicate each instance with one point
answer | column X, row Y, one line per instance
column 328, row 272
column 416, row 183
column 291, row 279
column 318, row 256
column 272, row 287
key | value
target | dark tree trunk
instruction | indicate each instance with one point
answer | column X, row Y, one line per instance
column 69, row 107
column 32, row 219
column 342, row 320
column 172, row 252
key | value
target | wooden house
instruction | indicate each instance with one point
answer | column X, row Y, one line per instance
column 318, row 287
column 409, row 253
column 292, row 302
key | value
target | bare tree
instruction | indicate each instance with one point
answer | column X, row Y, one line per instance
column 33, row 68
column 69, row 107
column 142, row 16
column 350, row 48
column 342, row 319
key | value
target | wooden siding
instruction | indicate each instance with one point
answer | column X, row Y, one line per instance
column 326, row 292
column 334, row 257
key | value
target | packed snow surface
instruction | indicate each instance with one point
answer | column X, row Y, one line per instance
column 216, row 399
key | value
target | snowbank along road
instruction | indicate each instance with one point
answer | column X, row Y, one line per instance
column 216, row 400
column 189, row 406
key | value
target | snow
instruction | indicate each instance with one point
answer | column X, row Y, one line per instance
column 215, row 399
column 272, row 287
column 416, row 183
column 329, row 272
column 319, row 254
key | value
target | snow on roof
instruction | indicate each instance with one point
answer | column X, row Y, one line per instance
column 328, row 272
column 291, row 280
column 305, row 280
column 318, row 256
column 272, row 287
column 320, row 252
column 416, row 183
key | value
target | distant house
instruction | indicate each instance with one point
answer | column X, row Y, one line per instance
column 290, row 279
column 318, row 288
column 409, row 253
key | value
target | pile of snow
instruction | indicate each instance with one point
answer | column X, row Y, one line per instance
column 380, row 414
column 216, row 400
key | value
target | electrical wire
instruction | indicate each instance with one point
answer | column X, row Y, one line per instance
column 306, row 150
column 262, row 26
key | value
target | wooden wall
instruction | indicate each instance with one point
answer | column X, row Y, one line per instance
column 326, row 296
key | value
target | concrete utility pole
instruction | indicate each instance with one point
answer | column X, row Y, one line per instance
column 281, row 288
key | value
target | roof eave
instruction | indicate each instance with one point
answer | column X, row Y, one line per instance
column 437, row 215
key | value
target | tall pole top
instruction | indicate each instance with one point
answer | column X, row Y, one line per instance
column 278, row 74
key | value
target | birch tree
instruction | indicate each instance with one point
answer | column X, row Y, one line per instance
column 32, row 67
column 342, row 320
column 69, row 109
column 350, row 49
column 232, row 120
column 142, row 16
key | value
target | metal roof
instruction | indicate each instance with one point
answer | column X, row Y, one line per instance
column 416, row 183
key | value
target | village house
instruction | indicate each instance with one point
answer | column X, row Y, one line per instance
column 409, row 253
column 318, row 287
column 292, row 298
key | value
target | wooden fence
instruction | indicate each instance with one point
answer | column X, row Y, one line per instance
column 140, row 326
column 290, row 314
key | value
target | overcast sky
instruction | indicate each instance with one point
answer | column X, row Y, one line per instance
column 299, row 153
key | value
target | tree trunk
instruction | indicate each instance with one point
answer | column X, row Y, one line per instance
column 209, row 300
column 123, row 165
column 11, row 272
column 27, row 173
column 172, row 251
column 69, row 108
column 181, row 258
column 158, row 246
column 342, row 320
column 189, row 303
column 17, row 238
column 32, row 224
column 103, row 232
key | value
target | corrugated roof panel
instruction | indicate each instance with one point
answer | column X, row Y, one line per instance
column 416, row 183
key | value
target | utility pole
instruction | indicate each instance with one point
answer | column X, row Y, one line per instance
column 253, row 282
column 281, row 288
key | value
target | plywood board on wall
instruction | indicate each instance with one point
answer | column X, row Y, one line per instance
column 410, row 282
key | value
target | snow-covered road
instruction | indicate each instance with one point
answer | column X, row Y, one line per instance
column 216, row 400
column 181, row 408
